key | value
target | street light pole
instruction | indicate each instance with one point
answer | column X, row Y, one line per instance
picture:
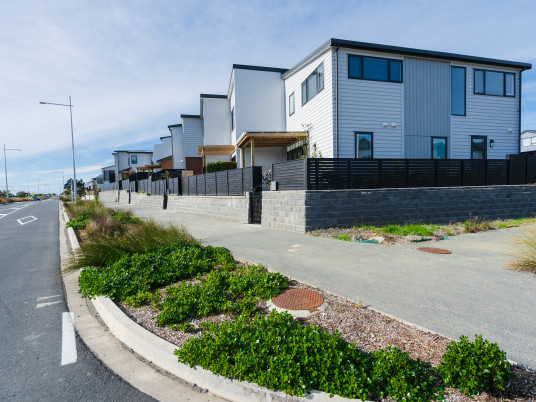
column 5, row 165
column 73, row 186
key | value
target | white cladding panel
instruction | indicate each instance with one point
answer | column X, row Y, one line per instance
column 162, row 150
column 258, row 103
column 266, row 156
column 487, row 115
column 528, row 141
column 178, row 148
column 319, row 111
column 216, row 121
column 364, row 106
column 193, row 136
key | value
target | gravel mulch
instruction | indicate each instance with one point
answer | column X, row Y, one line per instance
column 356, row 323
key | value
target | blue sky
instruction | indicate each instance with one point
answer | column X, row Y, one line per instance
column 132, row 67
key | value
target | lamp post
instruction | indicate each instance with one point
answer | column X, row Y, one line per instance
column 70, row 106
column 5, row 165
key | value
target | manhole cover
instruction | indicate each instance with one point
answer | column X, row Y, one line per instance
column 434, row 250
column 298, row 299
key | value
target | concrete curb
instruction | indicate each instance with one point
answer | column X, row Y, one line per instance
column 160, row 352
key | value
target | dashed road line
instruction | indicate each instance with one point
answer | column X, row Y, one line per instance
column 46, row 297
column 68, row 340
column 40, row 305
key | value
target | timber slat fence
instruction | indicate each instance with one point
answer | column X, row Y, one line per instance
column 224, row 183
column 339, row 173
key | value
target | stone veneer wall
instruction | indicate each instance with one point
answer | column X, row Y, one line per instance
column 308, row 210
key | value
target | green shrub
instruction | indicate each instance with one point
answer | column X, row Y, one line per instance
column 79, row 222
column 219, row 166
column 125, row 218
column 343, row 237
column 278, row 353
column 474, row 367
column 396, row 375
column 144, row 237
column 139, row 273
column 476, row 224
column 221, row 291
column 142, row 298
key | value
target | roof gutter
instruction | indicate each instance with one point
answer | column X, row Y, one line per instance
column 337, row 102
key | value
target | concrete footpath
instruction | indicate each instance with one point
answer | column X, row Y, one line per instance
column 467, row 292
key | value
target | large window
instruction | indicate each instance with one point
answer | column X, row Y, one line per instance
column 457, row 97
column 134, row 159
column 313, row 84
column 439, row 147
column 494, row 83
column 373, row 68
column 291, row 104
column 363, row 145
column 479, row 147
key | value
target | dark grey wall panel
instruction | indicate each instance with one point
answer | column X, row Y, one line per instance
column 426, row 104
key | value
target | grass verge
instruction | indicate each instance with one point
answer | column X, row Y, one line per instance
column 526, row 258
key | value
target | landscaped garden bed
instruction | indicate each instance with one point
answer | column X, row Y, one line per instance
column 418, row 232
column 214, row 310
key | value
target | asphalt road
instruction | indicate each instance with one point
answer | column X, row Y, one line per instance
column 41, row 359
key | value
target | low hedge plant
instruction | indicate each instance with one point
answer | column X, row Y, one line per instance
column 278, row 353
column 475, row 367
column 220, row 291
column 80, row 222
column 140, row 272
column 219, row 166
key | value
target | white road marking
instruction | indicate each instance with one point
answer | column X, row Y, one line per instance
column 29, row 219
column 46, row 297
column 15, row 209
column 68, row 340
column 39, row 305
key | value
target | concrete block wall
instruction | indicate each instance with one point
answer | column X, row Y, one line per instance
column 308, row 210
column 232, row 208
column 108, row 196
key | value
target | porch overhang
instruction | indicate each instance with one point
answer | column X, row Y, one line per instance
column 267, row 139
column 148, row 168
column 215, row 149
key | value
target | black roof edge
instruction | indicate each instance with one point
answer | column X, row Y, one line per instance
column 133, row 151
column 212, row 96
column 260, row 68
column 165, row 136
column 174, row 125
column 190, row 116
column 427, row 53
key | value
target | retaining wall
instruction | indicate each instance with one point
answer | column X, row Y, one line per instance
column 108, row 196
column 231, row 208
column 308, row 210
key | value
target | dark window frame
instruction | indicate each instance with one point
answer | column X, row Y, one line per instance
column 356, row 134
column 504, row 73
column 132, row 159
column 293, row 104
column 306, row 99
column 361, row 57
column 464, row 91
column 485, row 137
column 432, row 147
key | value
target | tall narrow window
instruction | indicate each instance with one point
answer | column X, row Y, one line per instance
column 457, row 91
column 313, row 84
column 439, row 147
column 291, row 104
column 363, row 145
column 478, row 147
column 232, row 119
column 134, row 159
column 509, row 89
column 479, row 82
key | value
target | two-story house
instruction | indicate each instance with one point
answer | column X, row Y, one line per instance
column 359, row 100
column 163, row 153
column 126, row 160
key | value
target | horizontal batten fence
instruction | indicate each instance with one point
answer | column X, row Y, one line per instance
column 338, row 173
column 225, row 183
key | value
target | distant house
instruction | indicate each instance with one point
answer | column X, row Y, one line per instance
column 359, row 100
column 528, row 141
column 108, row 174
column 126, row 160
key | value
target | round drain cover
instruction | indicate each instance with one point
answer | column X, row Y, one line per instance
column 298, row 299
column 434, row 250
